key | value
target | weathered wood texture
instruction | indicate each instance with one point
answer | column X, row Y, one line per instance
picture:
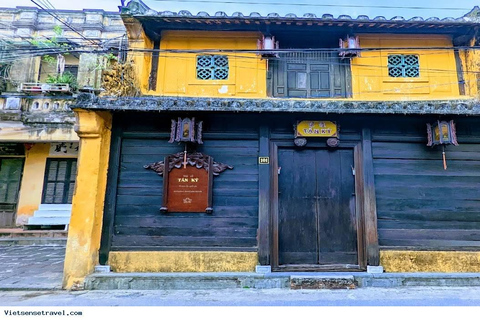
column 419, row 204
column 316, row 214
column 138, row 223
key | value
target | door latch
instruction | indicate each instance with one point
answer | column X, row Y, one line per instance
column 353, row 170
column 279, row 169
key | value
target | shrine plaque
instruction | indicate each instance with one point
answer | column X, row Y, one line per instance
column 187, row 181
column 188, row 189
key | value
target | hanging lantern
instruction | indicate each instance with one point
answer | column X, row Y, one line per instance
column 185, row 130
column 442, row 133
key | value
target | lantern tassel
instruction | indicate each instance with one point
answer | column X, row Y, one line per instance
column 444, row 159
column 185, row 157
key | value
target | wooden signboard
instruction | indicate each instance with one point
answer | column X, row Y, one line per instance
column 316, row 129
column 187, row 181
column 12, row 149
column 187, row 189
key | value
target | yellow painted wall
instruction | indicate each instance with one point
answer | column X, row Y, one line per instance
column 32, row 181
column 177, row 71
column 430, row 261
column 138, row 42
column 182, row 261
column 471, row 64
column 438, row 72
column 31, row 187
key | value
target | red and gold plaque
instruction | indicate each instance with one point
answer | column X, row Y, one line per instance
column 188, row 181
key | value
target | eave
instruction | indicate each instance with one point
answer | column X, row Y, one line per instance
column 332, row 106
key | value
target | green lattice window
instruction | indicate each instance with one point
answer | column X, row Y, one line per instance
column 212, row 67
column 403, row 66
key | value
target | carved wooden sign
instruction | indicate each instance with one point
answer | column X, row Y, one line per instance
column 187, row 181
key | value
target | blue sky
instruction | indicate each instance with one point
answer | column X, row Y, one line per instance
column 456, row 8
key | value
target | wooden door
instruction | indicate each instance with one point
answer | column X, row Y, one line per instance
column 316, row 226
column 10, row 177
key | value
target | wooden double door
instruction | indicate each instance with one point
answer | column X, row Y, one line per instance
column 315, row 221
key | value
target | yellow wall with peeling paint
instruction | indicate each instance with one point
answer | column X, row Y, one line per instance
column 31, row 189
column 182, row 261
column 177, row 71
column 30, row 196
column 438, row 71
column 81, row 256
column 430, row 261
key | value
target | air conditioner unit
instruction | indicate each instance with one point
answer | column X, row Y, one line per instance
column 350, row 47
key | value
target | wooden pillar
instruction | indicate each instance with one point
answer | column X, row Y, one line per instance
column 369, row 203
column 264, row 199
column 93, row 128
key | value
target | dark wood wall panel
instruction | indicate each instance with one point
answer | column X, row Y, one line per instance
column 138, row 223
column 420, row 205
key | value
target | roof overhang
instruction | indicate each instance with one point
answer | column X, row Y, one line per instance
column 334, row 106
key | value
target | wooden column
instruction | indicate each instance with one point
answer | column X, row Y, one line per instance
column 111, row 193
column 93, row 128
column 369, row 203
column 264, row 199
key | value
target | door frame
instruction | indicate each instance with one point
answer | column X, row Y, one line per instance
column 359, row 212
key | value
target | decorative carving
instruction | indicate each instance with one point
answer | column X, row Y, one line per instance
column 300, row 142
column 188, row 188
column 196, row 159
column 333, row 142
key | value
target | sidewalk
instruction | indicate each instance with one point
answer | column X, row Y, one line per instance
column 40, row 267
column 31, row 267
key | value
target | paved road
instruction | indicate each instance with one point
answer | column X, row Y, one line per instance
column 34, row 267
column 413, row 296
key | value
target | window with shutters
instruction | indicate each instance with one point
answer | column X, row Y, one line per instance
column 59, row 181
column 403, row 66
column 309, row 75
column 212, row 67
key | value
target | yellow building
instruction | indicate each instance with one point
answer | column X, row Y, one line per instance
column 313, row 135
column 38, row 144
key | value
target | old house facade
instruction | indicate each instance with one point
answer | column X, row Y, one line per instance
column 313, row 152
column 38, row 144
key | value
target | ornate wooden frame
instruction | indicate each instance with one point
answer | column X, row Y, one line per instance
column 179, row 160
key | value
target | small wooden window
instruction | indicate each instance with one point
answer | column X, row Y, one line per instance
column 59, row 180
column 212, row 67
column 403, row 66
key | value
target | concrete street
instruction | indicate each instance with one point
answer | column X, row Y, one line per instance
column 413, row 296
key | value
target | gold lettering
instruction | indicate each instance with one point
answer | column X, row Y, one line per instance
column 194, row 180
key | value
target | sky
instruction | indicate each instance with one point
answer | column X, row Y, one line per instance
column 435, row 8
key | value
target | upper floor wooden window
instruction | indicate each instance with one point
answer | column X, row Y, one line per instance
column 309, row 75
column 403, row 66
column 212, row 67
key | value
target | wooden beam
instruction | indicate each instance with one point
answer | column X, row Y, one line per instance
column 264, row 199
column 370, row 204
column 461, row 79
column 152, row 81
